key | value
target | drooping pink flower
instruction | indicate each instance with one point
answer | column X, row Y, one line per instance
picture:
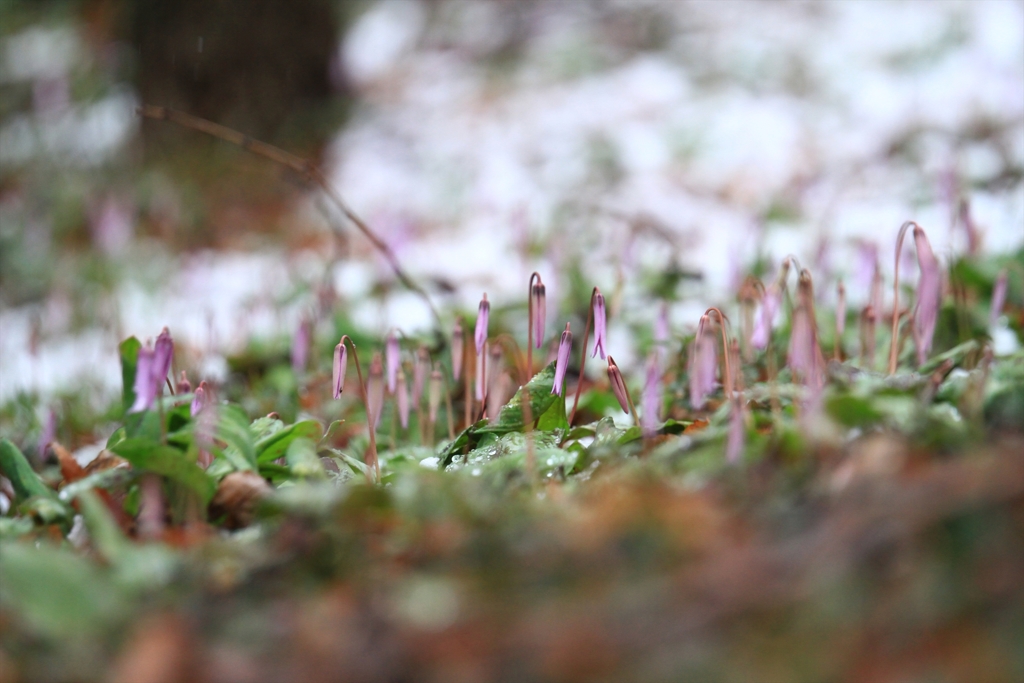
column 146, row 383
column 392, row 359
column 929, row 295
column 338, row 369
column 375, row 389
column 766, row 319
column 804, row 355
column 419, row 376
column 199, row 399
column 458, row 347
column 703, row 364
column 998, row 298
column 538, row 294
column 163, row 350
column 562, row 361
column 482, row 321
column 618, row 385
column 402, row 398
column 600, row 324
column 650, row 418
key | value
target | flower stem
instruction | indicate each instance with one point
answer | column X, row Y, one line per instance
column 896, row 295
column 583, row 358
column 372, row 464
column 727, row 370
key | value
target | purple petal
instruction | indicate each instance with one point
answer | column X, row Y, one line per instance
column 600, row 325
column 482, row 320
column 338, row 370
column 163, row 353
column 198, row 399
column 703, row 364
column 145, row 386
column 540, row 312
column 402, row 393
column 766, row 319
column 562, row 360
column 300, row 346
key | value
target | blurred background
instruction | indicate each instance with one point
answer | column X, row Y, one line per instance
column 660, row 150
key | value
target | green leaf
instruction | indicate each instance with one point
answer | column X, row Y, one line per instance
column 274, row 446
column 265, row 426
column 24, row 479
column 510, row 419
column 57, row 592
column 129, row 352
column 168, row 461
column 554, row 417
column 303, row 460
column 233, row 429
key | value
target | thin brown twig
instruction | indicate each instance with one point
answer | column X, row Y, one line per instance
column 301, row 166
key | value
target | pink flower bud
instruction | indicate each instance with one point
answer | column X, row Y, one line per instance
column 804, row 357
column 929, row 295
column 199, row 399
column 562, row 360
column 392, row 358
column 338, row 372
column 703, row 364
column 618, row 385
column 540, row 312
column 600, row 324
column 458, row 346
column 482, row 320
column 402, row 397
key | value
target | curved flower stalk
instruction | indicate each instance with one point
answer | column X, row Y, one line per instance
column 375, row 389
column 562, row 362
column 770, row 303
column 183, row 386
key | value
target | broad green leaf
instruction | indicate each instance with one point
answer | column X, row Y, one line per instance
column 129, row 352
column 24, row 479
column 274, row 446
column 168, row 461
column 554, row 417
column 263, row 427
column 852, row 411
column 233, row 429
